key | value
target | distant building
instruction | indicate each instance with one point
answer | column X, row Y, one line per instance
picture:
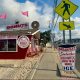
column 76, row 40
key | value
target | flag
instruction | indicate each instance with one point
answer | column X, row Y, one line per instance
column 25, row 13
column 3, row 16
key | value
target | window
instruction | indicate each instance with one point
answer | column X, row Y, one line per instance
column 12, row 45
column 3, row 45
column 8, row 45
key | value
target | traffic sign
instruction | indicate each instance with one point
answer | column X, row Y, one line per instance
column 66, row 25
column 65, row 9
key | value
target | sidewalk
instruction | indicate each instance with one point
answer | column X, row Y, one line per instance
column 46, row 68
column 17, row 69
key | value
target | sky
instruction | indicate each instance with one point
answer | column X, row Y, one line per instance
column 39, row 10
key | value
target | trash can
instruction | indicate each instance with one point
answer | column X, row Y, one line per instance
column 67, row 56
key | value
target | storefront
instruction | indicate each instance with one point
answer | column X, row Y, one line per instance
column 14, row 44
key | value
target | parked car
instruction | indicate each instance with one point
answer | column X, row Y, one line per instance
column 48, row 45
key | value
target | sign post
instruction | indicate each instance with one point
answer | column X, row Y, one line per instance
column 65, row 9
column 63, row 35
column 69, row 34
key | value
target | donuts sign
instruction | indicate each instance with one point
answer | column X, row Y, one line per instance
column 23, row 41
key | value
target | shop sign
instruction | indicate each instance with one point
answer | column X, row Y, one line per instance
column 67, row 57
column 18, row 26
column 23, row 41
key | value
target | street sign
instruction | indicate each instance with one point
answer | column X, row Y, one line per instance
column 66, row 25
column 65, row 9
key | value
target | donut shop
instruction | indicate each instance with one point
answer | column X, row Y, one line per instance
column 14, row 43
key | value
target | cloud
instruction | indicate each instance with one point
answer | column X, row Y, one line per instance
column 13, row 10
column 76, row 21
column 11, row 6
column 74, row 34
column 43, row 14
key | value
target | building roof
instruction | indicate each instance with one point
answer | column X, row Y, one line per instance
column 34, row 32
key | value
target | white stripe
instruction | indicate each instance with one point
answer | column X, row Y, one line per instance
column 35, row 32
column 34, row 71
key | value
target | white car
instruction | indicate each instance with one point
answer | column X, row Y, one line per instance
column 48, row 45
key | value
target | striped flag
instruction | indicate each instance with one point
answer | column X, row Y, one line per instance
column 25, row 13
column 3, row 16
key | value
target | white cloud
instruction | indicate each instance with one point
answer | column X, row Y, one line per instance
column 74, row 34
column 47, row 9
column 11, row 6
column 13, row 10
column 76, row 21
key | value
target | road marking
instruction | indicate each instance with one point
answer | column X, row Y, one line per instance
column 37, row 64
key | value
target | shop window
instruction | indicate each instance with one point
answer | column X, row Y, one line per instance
column 12, row 45
column 3, row 45
column 8, row 45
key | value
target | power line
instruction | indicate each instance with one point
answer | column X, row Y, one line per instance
column 54, row 16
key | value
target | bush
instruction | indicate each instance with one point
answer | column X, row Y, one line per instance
column 78, row 51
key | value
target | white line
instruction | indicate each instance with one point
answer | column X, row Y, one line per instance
column 35, row 32
column 34, row 71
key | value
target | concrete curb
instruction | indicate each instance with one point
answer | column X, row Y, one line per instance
column 77, row 73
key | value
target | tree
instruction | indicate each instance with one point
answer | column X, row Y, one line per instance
column 45, row 37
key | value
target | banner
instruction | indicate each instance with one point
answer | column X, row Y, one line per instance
column 3, row 16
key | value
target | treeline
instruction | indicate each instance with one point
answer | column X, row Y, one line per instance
column 45, row 37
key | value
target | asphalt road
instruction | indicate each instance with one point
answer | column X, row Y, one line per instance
column 46, row 68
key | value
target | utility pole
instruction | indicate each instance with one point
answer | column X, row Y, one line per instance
column 69, row 34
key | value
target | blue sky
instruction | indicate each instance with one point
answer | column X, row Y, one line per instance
column 21, row 1
column 77, row 13
column 51, row 3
